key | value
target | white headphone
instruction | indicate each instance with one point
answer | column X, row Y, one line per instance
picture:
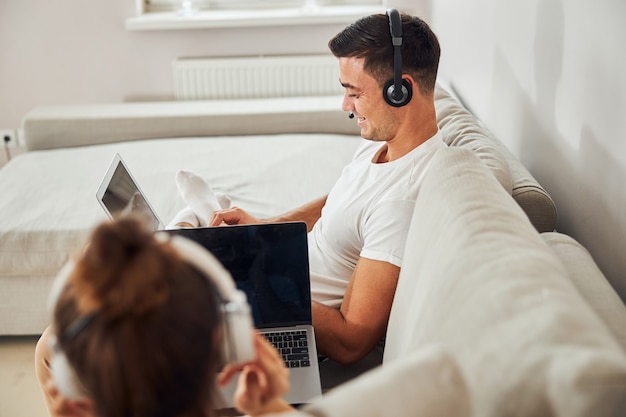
column 237, row 329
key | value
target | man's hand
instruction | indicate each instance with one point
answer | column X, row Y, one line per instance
column 308, row 213
column 233, row 215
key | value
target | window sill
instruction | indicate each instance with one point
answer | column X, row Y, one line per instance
column 206, row 19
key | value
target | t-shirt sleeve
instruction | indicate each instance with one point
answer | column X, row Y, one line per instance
column 385, row 232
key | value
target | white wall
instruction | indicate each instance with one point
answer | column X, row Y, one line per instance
column 549, row 78
column 77, row 51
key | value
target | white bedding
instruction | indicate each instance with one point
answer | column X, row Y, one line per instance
column 56, row 205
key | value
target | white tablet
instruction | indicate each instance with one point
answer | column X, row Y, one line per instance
column 120, row 195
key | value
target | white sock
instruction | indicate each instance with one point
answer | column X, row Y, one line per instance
column 223, row 200
column 199, row 196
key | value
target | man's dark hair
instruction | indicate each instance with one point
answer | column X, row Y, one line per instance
column 370, row 38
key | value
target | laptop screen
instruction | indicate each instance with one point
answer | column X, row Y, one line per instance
column 269, row 262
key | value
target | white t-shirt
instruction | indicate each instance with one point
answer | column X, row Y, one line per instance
column 367, row 214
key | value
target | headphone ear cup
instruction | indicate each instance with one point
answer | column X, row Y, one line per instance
column 64, row 377
column 238, row 333
column 388, row 93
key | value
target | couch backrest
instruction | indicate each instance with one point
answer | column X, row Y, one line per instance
column 478, row 280
column 461, row 128
column 590, row 283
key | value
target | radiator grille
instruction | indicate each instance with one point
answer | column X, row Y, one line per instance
column 256, row 77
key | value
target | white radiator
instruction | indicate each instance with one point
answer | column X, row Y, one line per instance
column 256, row 77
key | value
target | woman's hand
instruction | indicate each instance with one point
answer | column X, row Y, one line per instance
column 262, row 382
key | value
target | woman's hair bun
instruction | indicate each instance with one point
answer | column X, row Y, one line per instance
column 123, row 270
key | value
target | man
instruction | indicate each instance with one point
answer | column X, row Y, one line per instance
column 357, row 233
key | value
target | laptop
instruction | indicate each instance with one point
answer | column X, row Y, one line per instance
column 269, row 262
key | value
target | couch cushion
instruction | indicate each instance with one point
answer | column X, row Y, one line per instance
column 590, row 283
column 479, row 280
column 427, row 382
column 461, row 128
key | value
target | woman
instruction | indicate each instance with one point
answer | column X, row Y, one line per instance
column 139, row 330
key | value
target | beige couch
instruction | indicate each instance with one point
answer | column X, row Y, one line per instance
column 495, row 314
column 491, row 318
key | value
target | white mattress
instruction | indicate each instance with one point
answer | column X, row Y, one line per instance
column 48, row 204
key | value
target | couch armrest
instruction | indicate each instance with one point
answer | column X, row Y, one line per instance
column 47, row 127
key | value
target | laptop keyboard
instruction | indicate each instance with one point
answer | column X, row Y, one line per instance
column 292, row 345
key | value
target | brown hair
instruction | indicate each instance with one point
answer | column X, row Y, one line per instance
column 149, row 347
column 370, row 38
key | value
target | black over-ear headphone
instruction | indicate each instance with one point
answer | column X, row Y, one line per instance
column 397, row 92
column 238, row 345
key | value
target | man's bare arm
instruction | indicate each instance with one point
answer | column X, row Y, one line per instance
column 308, row 213
column 350, row 333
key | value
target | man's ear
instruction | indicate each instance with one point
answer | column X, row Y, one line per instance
column 82, row 407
